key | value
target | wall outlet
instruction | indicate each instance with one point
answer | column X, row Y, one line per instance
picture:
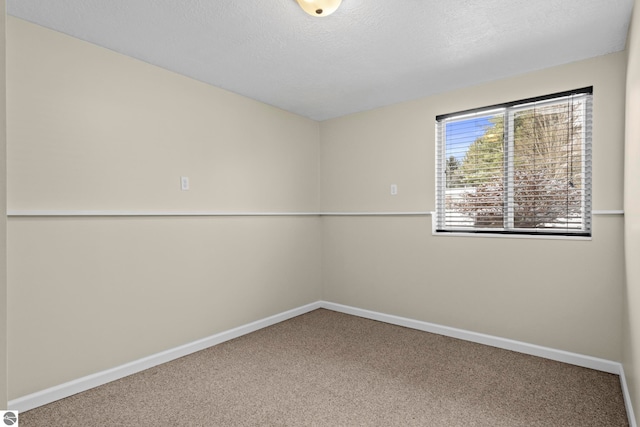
column 184, row 183
column 394, row 189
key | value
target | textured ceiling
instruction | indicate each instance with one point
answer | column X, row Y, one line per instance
column 368, row 54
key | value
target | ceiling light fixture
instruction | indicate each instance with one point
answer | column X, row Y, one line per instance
column 319, row 7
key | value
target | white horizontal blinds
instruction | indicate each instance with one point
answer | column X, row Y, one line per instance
column 548, row 166
column 440, row 175
column 524, row 168
column 587, row 113
column 463, row 166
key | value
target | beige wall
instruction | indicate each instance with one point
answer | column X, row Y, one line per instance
column 565, row 294
column 94, row 130
column 97, row 130
column 631, row 337
column 3, row 219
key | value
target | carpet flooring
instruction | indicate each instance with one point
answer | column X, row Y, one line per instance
column 331, row 369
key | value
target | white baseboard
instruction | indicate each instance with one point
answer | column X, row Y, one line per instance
column 627, row 399
column 70, row 388
column 85, row 383
column 504, row 343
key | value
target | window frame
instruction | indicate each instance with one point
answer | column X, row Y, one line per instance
column 509, row 110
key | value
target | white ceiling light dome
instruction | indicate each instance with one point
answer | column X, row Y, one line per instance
column 319, row 7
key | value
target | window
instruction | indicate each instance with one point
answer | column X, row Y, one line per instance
column 518, row 168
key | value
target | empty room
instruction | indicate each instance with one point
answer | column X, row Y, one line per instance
column 320, row 212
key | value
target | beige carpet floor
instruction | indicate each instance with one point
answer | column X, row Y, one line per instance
column 330, row 369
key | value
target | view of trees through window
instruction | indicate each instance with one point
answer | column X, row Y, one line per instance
column 529, row 175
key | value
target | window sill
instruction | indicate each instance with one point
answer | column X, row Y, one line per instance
column 511, row 236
